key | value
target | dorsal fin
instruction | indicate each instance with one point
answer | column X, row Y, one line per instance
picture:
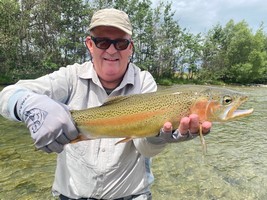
column 113, row 100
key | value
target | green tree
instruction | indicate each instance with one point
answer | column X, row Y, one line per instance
column 75, row 16
column 37, row 37
column 170, row 35
column 9, row 38
column 245, row 54
column 214, row 52
column 234, row 54
column 190, row 55
column 258, row 57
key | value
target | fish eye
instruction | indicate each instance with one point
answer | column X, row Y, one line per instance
column 227, row 100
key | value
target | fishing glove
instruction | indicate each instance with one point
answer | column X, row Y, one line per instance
column 170, row 137
column 175, row 136
column 49, row 122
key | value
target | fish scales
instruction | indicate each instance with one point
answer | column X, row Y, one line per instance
column 132, row 116
column 143, row 115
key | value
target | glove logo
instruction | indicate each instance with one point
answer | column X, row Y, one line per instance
column 37, row 116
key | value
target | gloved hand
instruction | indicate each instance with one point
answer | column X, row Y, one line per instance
column 49, row 122
column 188, row 129
column 175, row 136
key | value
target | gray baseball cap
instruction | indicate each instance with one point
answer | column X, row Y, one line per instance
column 111, row 17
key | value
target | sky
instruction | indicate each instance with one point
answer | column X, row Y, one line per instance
column 201, row 15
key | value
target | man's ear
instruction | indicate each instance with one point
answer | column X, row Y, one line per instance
column 132, row 49
column 132, row 46
column 89, row 44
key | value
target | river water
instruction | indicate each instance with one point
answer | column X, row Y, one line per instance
column 234, row 167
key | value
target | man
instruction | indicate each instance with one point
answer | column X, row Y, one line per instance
column 93, row 169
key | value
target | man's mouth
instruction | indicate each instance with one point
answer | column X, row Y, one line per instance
column 111, row 59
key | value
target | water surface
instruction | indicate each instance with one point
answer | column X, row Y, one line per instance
column 235, row 166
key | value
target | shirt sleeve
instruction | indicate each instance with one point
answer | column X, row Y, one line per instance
column 143, row 145
column 54, row 85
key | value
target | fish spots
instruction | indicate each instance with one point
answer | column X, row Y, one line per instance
column 143, row 115
column 133, row 125
column 123, row 119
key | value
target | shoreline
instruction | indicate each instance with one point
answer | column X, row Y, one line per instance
column 257, row 85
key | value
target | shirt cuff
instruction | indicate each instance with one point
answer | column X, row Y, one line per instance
column 13, row 101
column 156, row 140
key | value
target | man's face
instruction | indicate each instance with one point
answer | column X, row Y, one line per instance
column 110, row 64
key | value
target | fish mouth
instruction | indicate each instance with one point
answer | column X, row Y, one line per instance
column 232, row 112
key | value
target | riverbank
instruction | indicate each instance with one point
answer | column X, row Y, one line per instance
column 257, row 85
column 249, row 85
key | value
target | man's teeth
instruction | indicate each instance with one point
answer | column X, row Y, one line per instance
column 110, row 59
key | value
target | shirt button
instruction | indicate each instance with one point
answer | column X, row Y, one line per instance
column 103, row 150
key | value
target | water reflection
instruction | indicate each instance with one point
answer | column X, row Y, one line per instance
column 235, row 166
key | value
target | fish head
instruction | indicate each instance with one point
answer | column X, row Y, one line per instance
column 219, row 104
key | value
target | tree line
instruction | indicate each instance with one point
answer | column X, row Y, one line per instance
column 39, row 36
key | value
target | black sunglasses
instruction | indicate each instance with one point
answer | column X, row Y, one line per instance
column 104, row 43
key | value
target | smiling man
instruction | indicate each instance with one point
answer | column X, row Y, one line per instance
column 111, row 49
column 94, row 169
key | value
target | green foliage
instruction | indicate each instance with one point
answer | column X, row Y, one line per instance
column 38, row 37
column 234, row 54
column 165, row 81
column 5, row 80
column 9, row 28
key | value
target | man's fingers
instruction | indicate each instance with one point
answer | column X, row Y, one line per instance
column 167, row 127
column 184, row 125
column 206, row 126
column 190, row 124
column 194, row 123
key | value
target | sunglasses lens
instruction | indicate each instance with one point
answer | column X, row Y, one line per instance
column 122, row 44
column 103, row 43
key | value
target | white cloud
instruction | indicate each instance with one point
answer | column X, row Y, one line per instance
column 201, row 15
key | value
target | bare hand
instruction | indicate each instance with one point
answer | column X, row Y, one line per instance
column 189, row 125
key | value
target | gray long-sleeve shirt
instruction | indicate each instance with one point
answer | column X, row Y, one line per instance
column 95, row 168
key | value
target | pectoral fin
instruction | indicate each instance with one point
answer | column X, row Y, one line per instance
column 81, row 137
column 202, row 140
column 124, row 140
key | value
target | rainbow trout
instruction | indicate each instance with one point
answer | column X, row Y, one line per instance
column 142, row 115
